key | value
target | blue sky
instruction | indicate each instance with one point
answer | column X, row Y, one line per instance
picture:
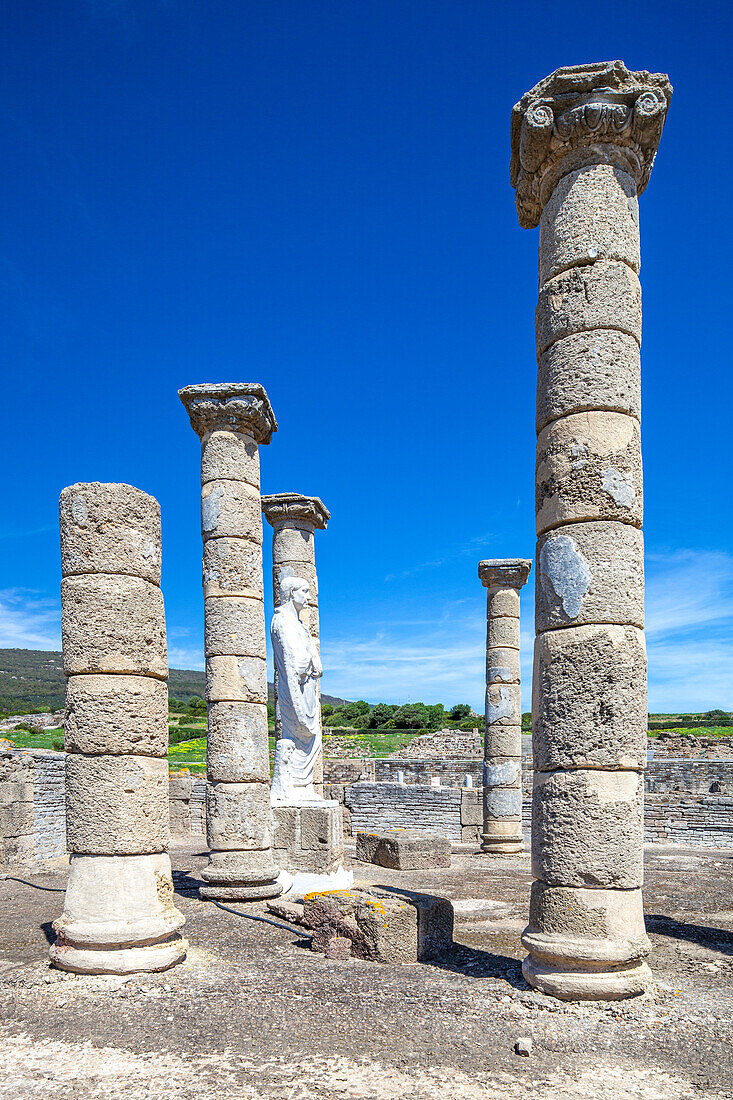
column 315, row 196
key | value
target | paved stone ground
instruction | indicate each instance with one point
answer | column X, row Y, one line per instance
column 252, row 1013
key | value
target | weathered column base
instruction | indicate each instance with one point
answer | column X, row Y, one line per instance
column 603, row 984
column 119, row 916
column 240, row 876
column 497, row 845
column 586, row 944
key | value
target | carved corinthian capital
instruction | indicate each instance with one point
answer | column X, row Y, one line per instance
column 234, row 406
column 293, row 507
column 585, row 114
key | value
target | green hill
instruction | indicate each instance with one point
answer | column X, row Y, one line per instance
column 34, row 678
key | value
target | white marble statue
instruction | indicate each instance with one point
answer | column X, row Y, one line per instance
column 298, row 704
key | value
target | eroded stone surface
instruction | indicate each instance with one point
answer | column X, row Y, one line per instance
column 116, row 805
column 236, row 679
column 116, row 715
column 234, row 626
column 403, row 849
column 113, row 623
column 590, row 573
column 589, row 703
column 238, row 816
column 236, row 748
column 589, row 370
column 230, row 455
column 108, row 528
column 589, row 468
column 382, row 927
column 231, row 509
column 232, row 567
column 593, row 215
column 591, row 828
column 605, row 294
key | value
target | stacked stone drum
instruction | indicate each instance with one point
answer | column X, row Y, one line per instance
column 502, row 779
column 118, row 913
column 232, row 419
column 294, row 519
column 583, row 145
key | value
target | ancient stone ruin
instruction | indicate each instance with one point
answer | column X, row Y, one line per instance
column 583, row 145
column 119, row 915
column 502, row 778
column 232, row 419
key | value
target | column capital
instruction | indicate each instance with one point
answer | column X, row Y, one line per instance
column 234, row 406
column 504, row 572
column 286, row 507
column 582, row 115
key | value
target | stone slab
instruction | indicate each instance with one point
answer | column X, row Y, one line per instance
column 395, row 928
column 403, row 850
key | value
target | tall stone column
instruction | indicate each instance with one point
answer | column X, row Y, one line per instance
column 502, row 578
column 232, row 419
column 583, row 144
column 294, row 519
column 118, row 913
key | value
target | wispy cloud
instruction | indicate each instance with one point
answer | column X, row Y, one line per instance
column 29, row 620
column 186, row 657
column 690, row 631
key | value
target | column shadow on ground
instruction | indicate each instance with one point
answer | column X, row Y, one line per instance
column 714, row 939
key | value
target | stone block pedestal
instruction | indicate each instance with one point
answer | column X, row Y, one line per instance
column 309, row 838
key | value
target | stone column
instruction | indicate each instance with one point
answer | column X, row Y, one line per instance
column 118, row 913
column 502, row 578
column 231, row 420
column 294, row 519
column 583, row 145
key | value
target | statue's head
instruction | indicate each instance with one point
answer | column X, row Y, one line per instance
column 295, row 590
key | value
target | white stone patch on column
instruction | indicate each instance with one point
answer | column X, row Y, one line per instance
column 583, row 145
column 502, row 778
column 232, row 420
column 119, row 915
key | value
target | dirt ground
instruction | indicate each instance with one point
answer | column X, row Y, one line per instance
column 254, row 1013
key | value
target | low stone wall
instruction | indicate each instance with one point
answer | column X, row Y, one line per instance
column 687, row 801
column 689, row 776
column 706, row 821
column 49, row 804
column 443, row 811
column 32, row 806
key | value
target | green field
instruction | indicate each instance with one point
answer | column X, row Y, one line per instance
column 192, row 754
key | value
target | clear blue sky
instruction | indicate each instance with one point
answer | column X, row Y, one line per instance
column 315, row 196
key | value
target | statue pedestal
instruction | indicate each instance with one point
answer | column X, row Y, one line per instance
column 308, row 845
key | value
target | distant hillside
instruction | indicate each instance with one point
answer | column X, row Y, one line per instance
column 35, row 678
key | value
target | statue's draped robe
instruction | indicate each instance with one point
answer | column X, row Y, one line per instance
column 298, row 708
